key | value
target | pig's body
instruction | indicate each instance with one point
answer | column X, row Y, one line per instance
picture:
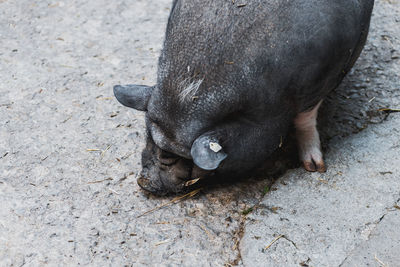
column 238, row 77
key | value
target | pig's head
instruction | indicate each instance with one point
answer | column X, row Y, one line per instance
column 218, row 108
column 201, row 132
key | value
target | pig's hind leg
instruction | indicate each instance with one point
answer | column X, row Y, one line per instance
column 308, row 140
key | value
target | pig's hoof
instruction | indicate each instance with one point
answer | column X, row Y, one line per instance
column 315, row 166
column 311, row 156
column 308, row 140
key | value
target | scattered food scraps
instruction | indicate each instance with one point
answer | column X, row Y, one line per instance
column 104, row 151
column 380, row 262
column 173, row 201
column 273, row 241
column 192, row 182
column 389, row 110
column 162, row 242
column 100, row 181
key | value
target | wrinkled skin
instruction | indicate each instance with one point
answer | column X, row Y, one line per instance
column 171, row 171
column 231, row 80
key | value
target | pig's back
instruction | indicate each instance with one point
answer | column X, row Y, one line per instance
column 298, row 48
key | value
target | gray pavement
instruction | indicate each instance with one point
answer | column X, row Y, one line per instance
column 69, row 155
column 344, row 217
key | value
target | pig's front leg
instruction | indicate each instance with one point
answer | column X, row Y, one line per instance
column 308, row 140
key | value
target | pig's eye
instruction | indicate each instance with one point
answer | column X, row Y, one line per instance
column 167, row 158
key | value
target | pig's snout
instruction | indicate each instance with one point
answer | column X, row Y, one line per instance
column 164, row 172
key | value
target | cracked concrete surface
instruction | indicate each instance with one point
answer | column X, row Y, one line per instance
column 69, row 155
column 381, row 246
column 329, row 216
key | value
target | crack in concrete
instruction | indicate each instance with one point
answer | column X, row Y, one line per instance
column 376, row 223
column 388, row 209
column 238, row 238
column 306, row 262
column 240, row 231
column 345, row 259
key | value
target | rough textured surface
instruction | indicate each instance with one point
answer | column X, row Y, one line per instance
column 64, row 204
column 326, row 217
column 381, row 245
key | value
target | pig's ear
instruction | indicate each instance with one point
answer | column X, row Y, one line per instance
column 207, row 153
column 133, row 96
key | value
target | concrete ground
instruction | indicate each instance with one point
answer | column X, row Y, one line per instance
column 69, row 155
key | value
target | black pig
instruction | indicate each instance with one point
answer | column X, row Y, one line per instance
column 233, row 77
